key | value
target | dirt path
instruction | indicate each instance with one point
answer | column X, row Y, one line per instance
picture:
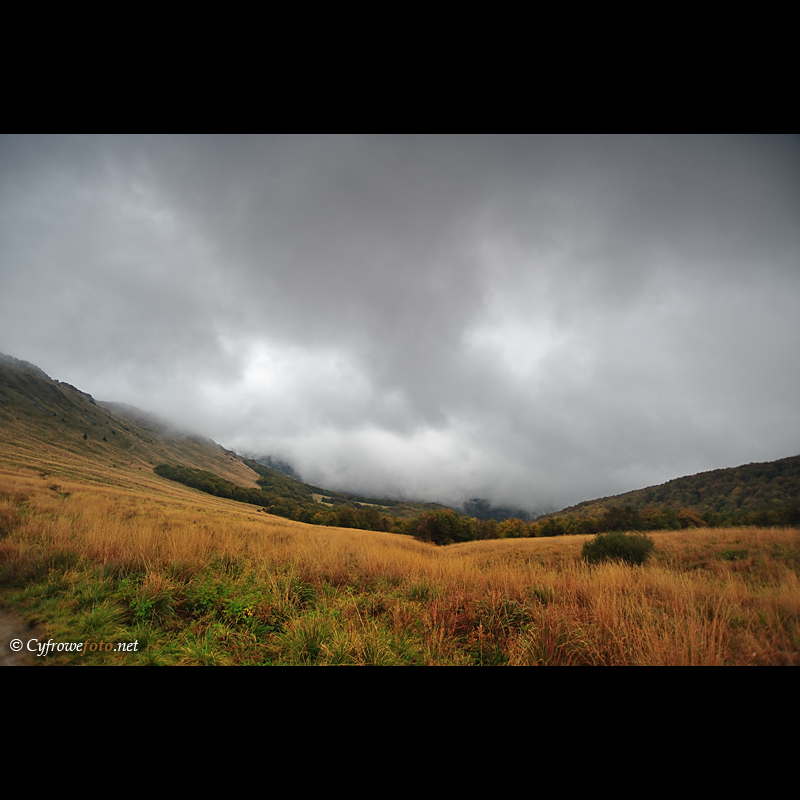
column 12, row 626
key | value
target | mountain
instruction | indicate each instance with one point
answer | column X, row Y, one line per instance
column 48, row 422
column 50, row 425
column 478, row 508
column 278, row 465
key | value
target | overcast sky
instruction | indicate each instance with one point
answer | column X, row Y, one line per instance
column 533, row 319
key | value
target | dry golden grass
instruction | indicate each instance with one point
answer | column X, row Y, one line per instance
column 708, row 597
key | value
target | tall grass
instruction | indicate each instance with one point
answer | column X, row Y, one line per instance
column 202, row 580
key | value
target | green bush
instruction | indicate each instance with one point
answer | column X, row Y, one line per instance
column 631, row 548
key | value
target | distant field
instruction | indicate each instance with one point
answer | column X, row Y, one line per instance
column 195, row 579
column 321, row 498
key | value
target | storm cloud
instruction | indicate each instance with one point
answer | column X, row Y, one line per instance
column 534, row 319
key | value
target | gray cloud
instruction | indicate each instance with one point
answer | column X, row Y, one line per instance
column 538, row 319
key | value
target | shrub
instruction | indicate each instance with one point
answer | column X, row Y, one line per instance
column 631, row 548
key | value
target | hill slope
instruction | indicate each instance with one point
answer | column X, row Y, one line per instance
column 47, row 422
column 751, row 494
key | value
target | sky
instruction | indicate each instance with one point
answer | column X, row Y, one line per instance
column 534, row 319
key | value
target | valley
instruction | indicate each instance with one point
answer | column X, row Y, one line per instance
column 96, row 547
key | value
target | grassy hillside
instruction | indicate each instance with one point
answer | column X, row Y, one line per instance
column 56, row 427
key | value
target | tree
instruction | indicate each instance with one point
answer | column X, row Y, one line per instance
column 441, row 527
column 513, row 528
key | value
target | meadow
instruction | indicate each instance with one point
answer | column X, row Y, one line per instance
column 198, row 580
